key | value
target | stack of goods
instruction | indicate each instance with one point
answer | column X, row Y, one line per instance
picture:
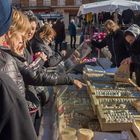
column 94, row 69
column 116, row 104
column 97, row 74
column 75, row 110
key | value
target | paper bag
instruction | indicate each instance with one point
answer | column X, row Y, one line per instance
column 123, row 73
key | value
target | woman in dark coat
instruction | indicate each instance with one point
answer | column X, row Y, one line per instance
column 41, row 43
column 15, row 121
column 115, row 42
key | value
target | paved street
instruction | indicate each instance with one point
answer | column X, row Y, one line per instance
column 77, row 38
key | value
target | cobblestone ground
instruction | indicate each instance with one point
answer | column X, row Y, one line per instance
column 77, row 39
column 69, row 50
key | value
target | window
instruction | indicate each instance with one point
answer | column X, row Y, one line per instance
column 46, row 2
column 32, row 3
column 61, row 2
column 54, row 2
column 78, row 2
column 70, row 2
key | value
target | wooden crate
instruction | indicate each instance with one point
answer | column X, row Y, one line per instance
column 111, row 126
column 136, row 128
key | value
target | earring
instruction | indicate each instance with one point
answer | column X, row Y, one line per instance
column 4, row 43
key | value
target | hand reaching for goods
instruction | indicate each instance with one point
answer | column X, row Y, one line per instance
column 79, row 84
column 42, row 55
column 63, row 52
column 127, row 61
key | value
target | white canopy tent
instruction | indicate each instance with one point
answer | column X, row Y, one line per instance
column 108, row 6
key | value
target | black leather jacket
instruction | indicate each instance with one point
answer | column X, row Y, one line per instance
column 15, row 121
column 38, row 77
column 9, row 66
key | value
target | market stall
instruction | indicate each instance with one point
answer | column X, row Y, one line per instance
column 115, row 103
column 105, row 109
column 105, row 105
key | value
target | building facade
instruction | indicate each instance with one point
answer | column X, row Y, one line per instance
column 68, row 8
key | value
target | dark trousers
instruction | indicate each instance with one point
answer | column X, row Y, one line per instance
column 72, row 41
column 58, row 46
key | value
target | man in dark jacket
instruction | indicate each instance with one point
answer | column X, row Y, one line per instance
column 72, row 32
column 132, row 36
column 59, row 28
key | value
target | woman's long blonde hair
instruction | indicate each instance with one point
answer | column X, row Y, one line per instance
column 20, row 22
column 45, row 31
column 111, row 26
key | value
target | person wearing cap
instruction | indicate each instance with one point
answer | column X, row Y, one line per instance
column 132, row 36
column 15, row 121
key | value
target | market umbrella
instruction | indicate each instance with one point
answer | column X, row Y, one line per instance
column 108, row 6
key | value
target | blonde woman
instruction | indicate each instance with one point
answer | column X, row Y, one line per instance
column 18, row 19
column 15, row 120
column 20, row 23
column 115, row 42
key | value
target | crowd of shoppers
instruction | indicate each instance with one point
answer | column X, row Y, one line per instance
column 26, row 53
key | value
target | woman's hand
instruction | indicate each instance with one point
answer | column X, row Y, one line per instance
column 64, row 52
column 78, row 84
column 127, row 61
column 42, row 55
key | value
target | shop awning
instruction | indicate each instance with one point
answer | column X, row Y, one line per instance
column 108, row 6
